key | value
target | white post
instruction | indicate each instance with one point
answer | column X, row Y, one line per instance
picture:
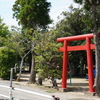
column 10, row 91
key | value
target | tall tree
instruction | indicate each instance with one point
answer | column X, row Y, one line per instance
column 32, row 14
column 92, row 5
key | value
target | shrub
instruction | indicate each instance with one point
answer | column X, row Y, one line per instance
column 8, row 58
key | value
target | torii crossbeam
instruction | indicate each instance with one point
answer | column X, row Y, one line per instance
column 88, row 47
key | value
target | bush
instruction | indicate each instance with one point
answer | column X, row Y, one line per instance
column 8, row 58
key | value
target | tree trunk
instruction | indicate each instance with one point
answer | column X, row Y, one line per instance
column 21, row 64
column 97, row 56
column 39, row 81
column 30, row 61
column 32, row 78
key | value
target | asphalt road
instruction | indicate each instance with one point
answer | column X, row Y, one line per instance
column 22, row 95
column 27, row 96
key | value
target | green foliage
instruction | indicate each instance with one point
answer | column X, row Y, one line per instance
column 3, row 29
column 18, row 41
column 32, row 13
column 74, row 22
column 88, row 7
column 4, row 32
column 48, row 59
column 8, row 59
column 79, row 1
column 88, row 4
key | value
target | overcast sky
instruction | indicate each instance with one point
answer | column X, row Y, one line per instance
column 57, row 7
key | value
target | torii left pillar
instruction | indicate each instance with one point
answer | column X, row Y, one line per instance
column 65, row 65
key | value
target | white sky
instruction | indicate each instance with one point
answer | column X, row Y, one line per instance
column 57, row 6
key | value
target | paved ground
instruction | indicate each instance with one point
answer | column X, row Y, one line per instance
column 76, row 91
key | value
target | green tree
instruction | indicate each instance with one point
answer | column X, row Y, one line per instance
column 48, row 59
column 32, row 14
column 92, row 5
column 73, row 22
column 20, row 44
column 4, row 32
column 8, row 58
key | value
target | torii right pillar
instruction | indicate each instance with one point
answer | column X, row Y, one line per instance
column 90, row 65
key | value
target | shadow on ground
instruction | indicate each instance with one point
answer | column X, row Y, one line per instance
column 78, row 85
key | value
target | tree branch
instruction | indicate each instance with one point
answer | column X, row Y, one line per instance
column 26, row 53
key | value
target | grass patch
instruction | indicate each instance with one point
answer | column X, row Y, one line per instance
column 50, row 91
column 17, row 83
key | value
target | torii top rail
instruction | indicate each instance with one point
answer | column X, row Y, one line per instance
column 88, row 47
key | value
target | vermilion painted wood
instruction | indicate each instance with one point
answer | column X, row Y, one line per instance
column 88, row 47
column 74, row 38
column 90, row 65
column 78, row 37
column 65, row 65
column 76, row 48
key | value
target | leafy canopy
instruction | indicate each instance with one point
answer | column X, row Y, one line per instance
column 48, row 59
column 4, row 32
column 88, row 3
column 32, row 13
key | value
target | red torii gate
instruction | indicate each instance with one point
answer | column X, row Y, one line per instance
column 88, row 47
